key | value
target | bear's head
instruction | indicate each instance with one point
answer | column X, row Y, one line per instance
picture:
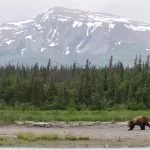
column 131, row 123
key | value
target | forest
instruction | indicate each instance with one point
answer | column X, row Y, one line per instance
column 75, row 87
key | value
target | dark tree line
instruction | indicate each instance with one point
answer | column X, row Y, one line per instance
column 76, row 87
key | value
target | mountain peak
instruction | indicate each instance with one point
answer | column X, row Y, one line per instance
column 66, row 35
column 64, row 14
column 57, row 10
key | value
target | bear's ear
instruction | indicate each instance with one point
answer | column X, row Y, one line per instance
column 130, row 122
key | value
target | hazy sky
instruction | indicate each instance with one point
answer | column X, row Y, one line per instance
column 22, row 9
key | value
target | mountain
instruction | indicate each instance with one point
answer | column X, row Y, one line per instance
column 66, row 35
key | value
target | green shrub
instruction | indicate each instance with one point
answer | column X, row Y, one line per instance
column 83, row 138
column 70, row 137
column 49, row 137
column 136, row 106
column 30, row 137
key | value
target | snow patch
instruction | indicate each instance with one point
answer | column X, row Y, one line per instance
column 48, row 11
column 87, row 32
column 147, row 49
column 107, row 19
column 38, row 26
column 138, row 28
column 49, row 32
column 52, row 36
column 28, row 37
column 45, row 17
column 67, row 51
column 16, row 33
column 62, row 19
column 118, row 43
column 53, row 44
column 121, row 20
column 78, row 46
column 9, row 42
column 77, row 24
column 22, row 51
column 111, row 26
column 21, row 22
column 5, row 28
column 43, row 49
column 94, row 26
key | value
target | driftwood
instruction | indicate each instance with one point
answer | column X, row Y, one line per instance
column 42, row 124
column 61, row 124
column 56, row 124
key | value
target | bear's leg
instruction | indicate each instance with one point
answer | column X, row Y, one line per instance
column 131, row 128
column 147, row 124
column 142, row 127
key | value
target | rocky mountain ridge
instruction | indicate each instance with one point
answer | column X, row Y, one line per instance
column 66, row 35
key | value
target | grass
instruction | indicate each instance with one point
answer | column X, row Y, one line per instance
column 31, row 137
column 16, row 142
column 71, row 137
column 7, row 141
column 10, row 116
column 83, row 138
column 1, row 139
column 49, row 137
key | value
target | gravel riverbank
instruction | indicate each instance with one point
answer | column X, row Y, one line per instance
column 104, row 133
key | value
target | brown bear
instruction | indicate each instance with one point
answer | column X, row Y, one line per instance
column 140, row 121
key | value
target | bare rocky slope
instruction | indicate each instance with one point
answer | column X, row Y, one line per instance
column 66, row 35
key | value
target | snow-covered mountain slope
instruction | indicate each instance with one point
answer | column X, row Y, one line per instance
column 66, row 35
